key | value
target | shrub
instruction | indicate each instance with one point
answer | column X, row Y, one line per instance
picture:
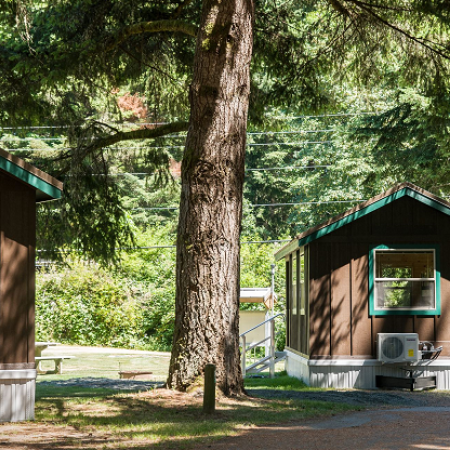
column 83, row 304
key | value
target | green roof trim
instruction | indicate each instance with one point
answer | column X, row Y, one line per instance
column 29, row 178
column 351, row 217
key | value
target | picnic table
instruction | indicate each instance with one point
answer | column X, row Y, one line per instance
column 58, row 359
column 39, row 347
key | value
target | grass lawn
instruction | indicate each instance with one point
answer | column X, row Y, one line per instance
column 74, row 417
column 160, row 418
column 105, row 362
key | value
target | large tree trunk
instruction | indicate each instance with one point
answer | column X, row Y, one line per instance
column 207, row 297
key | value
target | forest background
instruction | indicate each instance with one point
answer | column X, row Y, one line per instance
column 300, row 172
column 313, row 151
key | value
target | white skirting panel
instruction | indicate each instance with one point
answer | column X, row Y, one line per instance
column 360, row 374
column 17, row 395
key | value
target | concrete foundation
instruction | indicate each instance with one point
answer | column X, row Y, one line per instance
column 361, row 373
column 17, row 395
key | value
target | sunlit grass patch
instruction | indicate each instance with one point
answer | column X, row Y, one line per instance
column 160, row 416
column 282, row 382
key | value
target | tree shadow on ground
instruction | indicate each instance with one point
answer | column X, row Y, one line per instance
column 158, row 418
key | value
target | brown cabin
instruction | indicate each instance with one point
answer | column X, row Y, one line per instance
column 381, row 267
column 21, row 187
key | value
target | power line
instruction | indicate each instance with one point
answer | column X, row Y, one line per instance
column 266, row 144
column 288, row 143
column 319, row 202
column 251, row 133
column 52, row 127
column 258, row 205
column 320, row 116
column 154, row 247
column 321, row 166
column 160, row 208
column 43, row 127
column 32, row 150
column 179, row 136
column 123, row 174
column 17, row 138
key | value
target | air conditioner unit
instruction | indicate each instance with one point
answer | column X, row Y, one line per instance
column 398, row 347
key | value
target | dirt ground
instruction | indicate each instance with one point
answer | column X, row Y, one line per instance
column 399, row 429
column 389, row 420
column 419, row 420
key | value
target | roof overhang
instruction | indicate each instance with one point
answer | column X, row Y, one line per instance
column 363, row 209
column 258, row 295
column 47, row 187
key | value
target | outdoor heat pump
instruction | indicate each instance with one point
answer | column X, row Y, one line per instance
column 398, row 347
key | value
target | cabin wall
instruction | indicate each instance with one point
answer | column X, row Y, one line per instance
column 17, row 274
column 340, row 324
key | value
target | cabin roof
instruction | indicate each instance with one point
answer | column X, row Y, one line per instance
column 258, row 295
column 47, row 187
column 361, row 210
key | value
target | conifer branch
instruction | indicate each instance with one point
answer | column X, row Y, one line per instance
column 339, row 7
column 119, row 136
column 397, row 29
column 159, row 26
column 144, row 133
column 180, row 8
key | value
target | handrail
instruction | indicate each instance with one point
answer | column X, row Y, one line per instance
column 268, row 357
column 257, row 344
column 262, row 323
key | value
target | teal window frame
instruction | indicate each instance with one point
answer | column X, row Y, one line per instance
column 405, row 312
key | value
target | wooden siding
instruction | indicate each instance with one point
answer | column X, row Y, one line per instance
column 320, row 294
column 340, row 324
column 17, row 261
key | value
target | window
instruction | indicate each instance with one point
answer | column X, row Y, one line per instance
column 294, row 284
column 302, row 282
column 404, row 280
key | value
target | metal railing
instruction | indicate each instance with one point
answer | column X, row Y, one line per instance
column 268, row 360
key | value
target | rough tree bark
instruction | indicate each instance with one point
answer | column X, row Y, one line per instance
column 207, row 295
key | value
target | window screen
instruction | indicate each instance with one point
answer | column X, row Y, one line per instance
column 404, row 279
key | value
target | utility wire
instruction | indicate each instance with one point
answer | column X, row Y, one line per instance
column 320, row 116
column 152, row 247
column 267, row 144
column 288, row 143
column 321, row 166
column 263, row 169
column 258, row 205
column 17, row 138
column 319, row 202
column 250, row 133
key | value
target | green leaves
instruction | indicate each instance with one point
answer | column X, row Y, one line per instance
column 84, row 305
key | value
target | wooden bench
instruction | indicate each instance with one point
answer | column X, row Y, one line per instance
column 58, row 360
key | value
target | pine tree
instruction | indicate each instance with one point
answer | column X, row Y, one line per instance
column 62, row 61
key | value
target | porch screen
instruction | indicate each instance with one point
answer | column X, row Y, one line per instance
column 404, row 279
column 294, row 287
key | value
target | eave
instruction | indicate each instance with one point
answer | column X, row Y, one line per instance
column 47, row 187
column 363, row 209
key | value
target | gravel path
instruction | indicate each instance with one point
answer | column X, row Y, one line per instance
column 393, row 420
column 369, row 399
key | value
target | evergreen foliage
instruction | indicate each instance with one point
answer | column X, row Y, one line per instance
column 103, row 67
column 96, row 67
